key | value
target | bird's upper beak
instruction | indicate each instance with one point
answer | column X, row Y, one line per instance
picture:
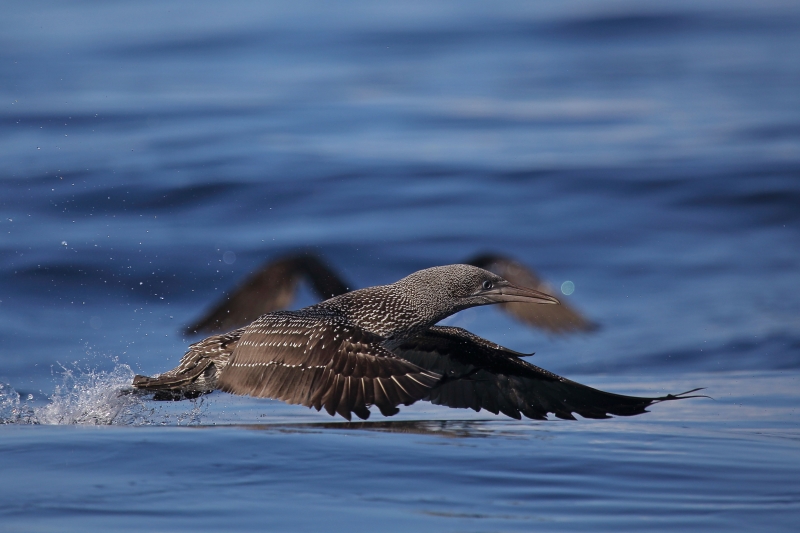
column 506, row 292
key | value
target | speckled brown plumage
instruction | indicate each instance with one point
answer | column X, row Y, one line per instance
column 319, row 359
column 338, row 354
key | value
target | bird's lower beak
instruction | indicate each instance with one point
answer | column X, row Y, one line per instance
column 512, row 293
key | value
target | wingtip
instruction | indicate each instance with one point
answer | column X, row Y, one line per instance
column 683, row 396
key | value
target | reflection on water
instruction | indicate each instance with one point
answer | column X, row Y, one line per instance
column 441, row 428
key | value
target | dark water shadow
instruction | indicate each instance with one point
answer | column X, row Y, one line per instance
column 455, row 429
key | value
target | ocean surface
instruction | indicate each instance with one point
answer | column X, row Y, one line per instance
column 153, row 154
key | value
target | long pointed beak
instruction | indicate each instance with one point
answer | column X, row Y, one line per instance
column 511, row 293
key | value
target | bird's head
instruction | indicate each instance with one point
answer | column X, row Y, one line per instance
column 448, row 289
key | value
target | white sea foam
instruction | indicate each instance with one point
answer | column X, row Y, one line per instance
column 94, row 397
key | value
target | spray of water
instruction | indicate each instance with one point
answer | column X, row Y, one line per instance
column 93, row 397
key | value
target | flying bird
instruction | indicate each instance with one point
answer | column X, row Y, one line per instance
column 380, row 347
column 274, row 285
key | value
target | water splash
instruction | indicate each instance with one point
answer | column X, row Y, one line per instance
column 12, row 410
column 89, row 397
column 93, row 397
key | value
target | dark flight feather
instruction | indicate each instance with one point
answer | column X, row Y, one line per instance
column 479, row 374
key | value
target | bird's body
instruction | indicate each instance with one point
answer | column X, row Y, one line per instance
column 378, row 346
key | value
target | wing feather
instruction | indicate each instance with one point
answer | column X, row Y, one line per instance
column 479, row 374
column 320, row 362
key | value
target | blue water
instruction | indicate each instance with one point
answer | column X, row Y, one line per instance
column 647, row 152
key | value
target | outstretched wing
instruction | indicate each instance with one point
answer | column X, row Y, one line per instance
column 479, row 374
column 554, row 318
column 270, row 289
column 198, row 371
column 319, row 361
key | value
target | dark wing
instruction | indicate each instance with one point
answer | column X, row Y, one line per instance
column 270, row 289
column 554, row 318
column 321, row 362
column 197, row 372
column 479, row 374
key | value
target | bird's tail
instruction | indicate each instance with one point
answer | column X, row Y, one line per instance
column 173, row 385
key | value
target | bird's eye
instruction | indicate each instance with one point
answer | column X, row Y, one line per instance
column 487, row 284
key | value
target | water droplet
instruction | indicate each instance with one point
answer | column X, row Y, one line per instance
column 567, row 287
column 229, row 257
column 63, row 243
